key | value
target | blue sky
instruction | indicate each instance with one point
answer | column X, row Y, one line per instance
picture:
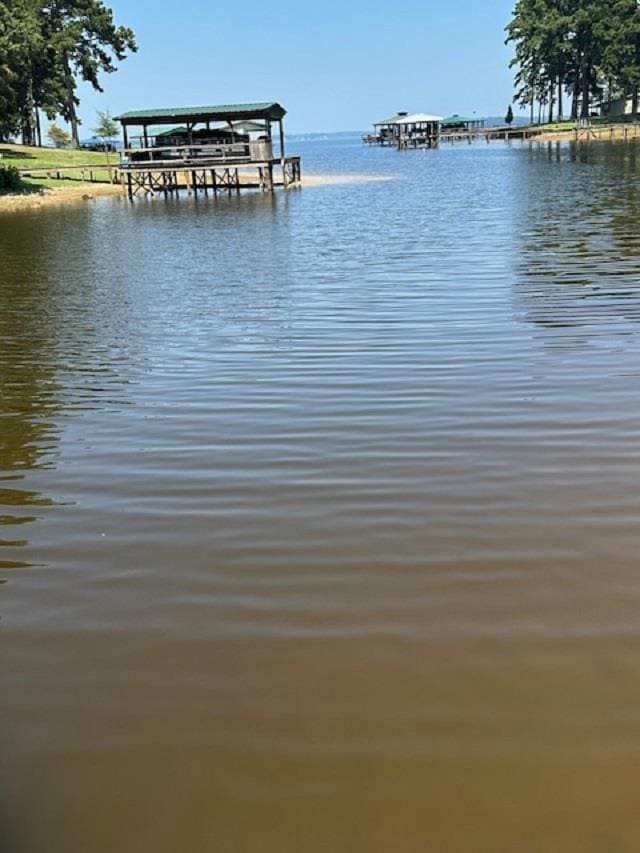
column 335, row 65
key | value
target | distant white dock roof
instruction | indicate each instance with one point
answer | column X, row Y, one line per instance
column 417, row 118
column 409, row 118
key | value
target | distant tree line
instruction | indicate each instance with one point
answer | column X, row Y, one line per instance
column 586, row 49
column 47, row 47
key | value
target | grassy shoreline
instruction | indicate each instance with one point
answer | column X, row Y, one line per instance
column 75, row 184
column 597, row 131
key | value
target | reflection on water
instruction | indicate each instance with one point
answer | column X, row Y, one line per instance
column 28, row 387
column 578, row 257
column 58, row 355
column 331, row 506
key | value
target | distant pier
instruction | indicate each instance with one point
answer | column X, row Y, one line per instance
column 421, row 130
column 488, row 134
column 406, row 130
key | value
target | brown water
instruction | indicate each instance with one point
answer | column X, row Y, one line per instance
column 320, row 515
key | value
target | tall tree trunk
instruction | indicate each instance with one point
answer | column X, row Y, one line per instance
column 71, row 104
column 27, row 116
column 560, row 100
column 551, row 101
column 38, row 128
column 533, row 106
column 635, row 97
column 585, row 73
column 576, row 90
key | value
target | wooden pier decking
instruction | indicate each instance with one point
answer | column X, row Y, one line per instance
column 488, row 134
column 210, row 175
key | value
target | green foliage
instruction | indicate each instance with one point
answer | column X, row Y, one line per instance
column 107, row 127
column 509, row 116
column 46, row 48
column 10, row 179
column 586, row 47
column 59, row 137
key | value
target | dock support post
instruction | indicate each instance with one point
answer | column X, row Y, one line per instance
column 282, row 154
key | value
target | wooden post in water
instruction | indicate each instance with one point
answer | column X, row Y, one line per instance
column 282, row 155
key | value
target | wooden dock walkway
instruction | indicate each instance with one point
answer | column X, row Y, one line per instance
column 205, row 174
column 488, row 134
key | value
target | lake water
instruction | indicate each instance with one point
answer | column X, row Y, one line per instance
column 320, row 513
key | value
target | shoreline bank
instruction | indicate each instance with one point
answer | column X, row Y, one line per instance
column 608, row 133
column 53, row 196
column 62, row 196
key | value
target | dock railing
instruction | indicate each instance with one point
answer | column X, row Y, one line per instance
column 187, row 155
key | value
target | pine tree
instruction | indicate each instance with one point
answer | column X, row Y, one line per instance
column 579, row 45
column 46, row 48
column 86, row 42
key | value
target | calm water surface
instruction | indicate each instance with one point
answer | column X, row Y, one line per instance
column 320, row 514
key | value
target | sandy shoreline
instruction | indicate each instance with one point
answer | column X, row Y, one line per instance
column 592, row 134
column 57, row 196
column 328, row 180
column 52, row 197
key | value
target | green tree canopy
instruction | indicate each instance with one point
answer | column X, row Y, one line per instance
column 46, row 48
column 585, row 47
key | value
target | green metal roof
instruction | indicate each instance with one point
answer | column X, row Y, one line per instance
column 225, row 112
column 456, row 119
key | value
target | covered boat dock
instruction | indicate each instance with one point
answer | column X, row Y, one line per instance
column 456, row 127
column 217, row 148
column 406, row 130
